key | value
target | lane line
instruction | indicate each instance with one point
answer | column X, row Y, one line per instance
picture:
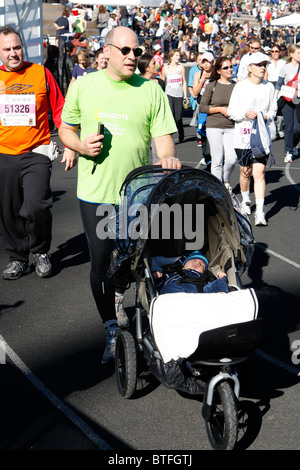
column 277, row 362
column 57, row 402
column 283, row 258
column 290, row 179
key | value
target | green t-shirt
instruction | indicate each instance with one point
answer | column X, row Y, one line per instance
column 132, row 111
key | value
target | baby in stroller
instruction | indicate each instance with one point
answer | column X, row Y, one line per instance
column 188, row 273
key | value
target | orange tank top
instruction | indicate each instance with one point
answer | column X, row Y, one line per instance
column 31, row 80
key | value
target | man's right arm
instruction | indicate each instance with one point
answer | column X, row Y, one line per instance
column 90, row 146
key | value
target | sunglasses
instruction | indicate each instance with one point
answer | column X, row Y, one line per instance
column 227, row 67
column 275, row 51
column 262, row 64
column 255, row 48
column 126, row 50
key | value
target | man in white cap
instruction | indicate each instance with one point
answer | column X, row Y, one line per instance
column 255, row 46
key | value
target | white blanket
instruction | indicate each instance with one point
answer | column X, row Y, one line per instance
column 177, row 320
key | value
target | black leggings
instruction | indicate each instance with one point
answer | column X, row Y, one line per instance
column 176, row 108
column 103, row 292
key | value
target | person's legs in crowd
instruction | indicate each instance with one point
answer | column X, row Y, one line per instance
column 288, row 113
column 176, row 107
column 215, row 139
column 36, row 174
column 25, row 217
column 230, row 157
column 258, row 172
column 103, row 292
column 296, row 135
column 245, row 174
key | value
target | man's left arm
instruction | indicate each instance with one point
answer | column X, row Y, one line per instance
column 166, row 152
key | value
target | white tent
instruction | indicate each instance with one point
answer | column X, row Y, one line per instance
column 290, row 20
column 126, row 3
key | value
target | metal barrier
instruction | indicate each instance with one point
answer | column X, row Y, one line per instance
column 59, row 41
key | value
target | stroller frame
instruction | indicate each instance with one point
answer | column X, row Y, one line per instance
column 218, row 372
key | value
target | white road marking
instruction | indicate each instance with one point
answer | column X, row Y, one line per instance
column 288, row 175
column 277, row 255
column 57, row 402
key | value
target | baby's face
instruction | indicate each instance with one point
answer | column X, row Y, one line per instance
column 196, row 264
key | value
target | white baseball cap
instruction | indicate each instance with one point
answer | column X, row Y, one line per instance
column 156, row 47
column 257, row 58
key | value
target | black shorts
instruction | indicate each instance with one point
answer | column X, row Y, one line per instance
column 248, row 159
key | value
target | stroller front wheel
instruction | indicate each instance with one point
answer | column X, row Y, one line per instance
column 125, row 362
column 222, row 425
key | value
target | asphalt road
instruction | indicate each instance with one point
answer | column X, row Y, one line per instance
column 54, row 393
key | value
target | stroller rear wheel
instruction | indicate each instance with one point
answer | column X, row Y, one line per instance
column 222, row 425
column 125, row 361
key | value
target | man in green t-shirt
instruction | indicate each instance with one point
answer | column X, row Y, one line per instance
column 132, row 109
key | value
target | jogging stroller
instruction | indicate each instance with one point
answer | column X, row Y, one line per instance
column 190, row 342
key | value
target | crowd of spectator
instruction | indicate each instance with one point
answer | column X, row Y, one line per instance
column 222, row 26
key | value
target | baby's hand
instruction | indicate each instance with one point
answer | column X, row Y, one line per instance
column 156, row 275
column 221, row 274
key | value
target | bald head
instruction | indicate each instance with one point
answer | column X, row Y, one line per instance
column 115, row 33
column 120, row 67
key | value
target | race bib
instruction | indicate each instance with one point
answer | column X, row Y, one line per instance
column 288, row 91
column 17, row 110
column 244, row 135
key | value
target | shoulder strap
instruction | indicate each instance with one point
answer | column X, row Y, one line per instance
column 199, row 282
column 47, row 86
column 213, row 90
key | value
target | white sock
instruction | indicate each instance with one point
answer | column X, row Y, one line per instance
column 245, row 196
column 259, row 205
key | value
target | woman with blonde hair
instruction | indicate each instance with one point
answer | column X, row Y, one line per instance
column 289, row 108
column 102, row 18
column 176, row 88
column 83, row 64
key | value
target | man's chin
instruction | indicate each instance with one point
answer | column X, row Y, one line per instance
column 14, row 66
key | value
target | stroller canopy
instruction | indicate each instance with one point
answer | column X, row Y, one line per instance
column 196, row 199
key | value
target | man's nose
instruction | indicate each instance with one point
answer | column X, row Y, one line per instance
column 131, row 55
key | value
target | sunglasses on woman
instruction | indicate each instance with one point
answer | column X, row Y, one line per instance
column 227, row 67
column 275, row 51
column 126, row 50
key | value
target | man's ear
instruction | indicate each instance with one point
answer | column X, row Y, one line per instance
column 106, row 51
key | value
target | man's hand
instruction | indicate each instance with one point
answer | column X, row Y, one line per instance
column 69, row 158
column 171, row 163
column 92, row 145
